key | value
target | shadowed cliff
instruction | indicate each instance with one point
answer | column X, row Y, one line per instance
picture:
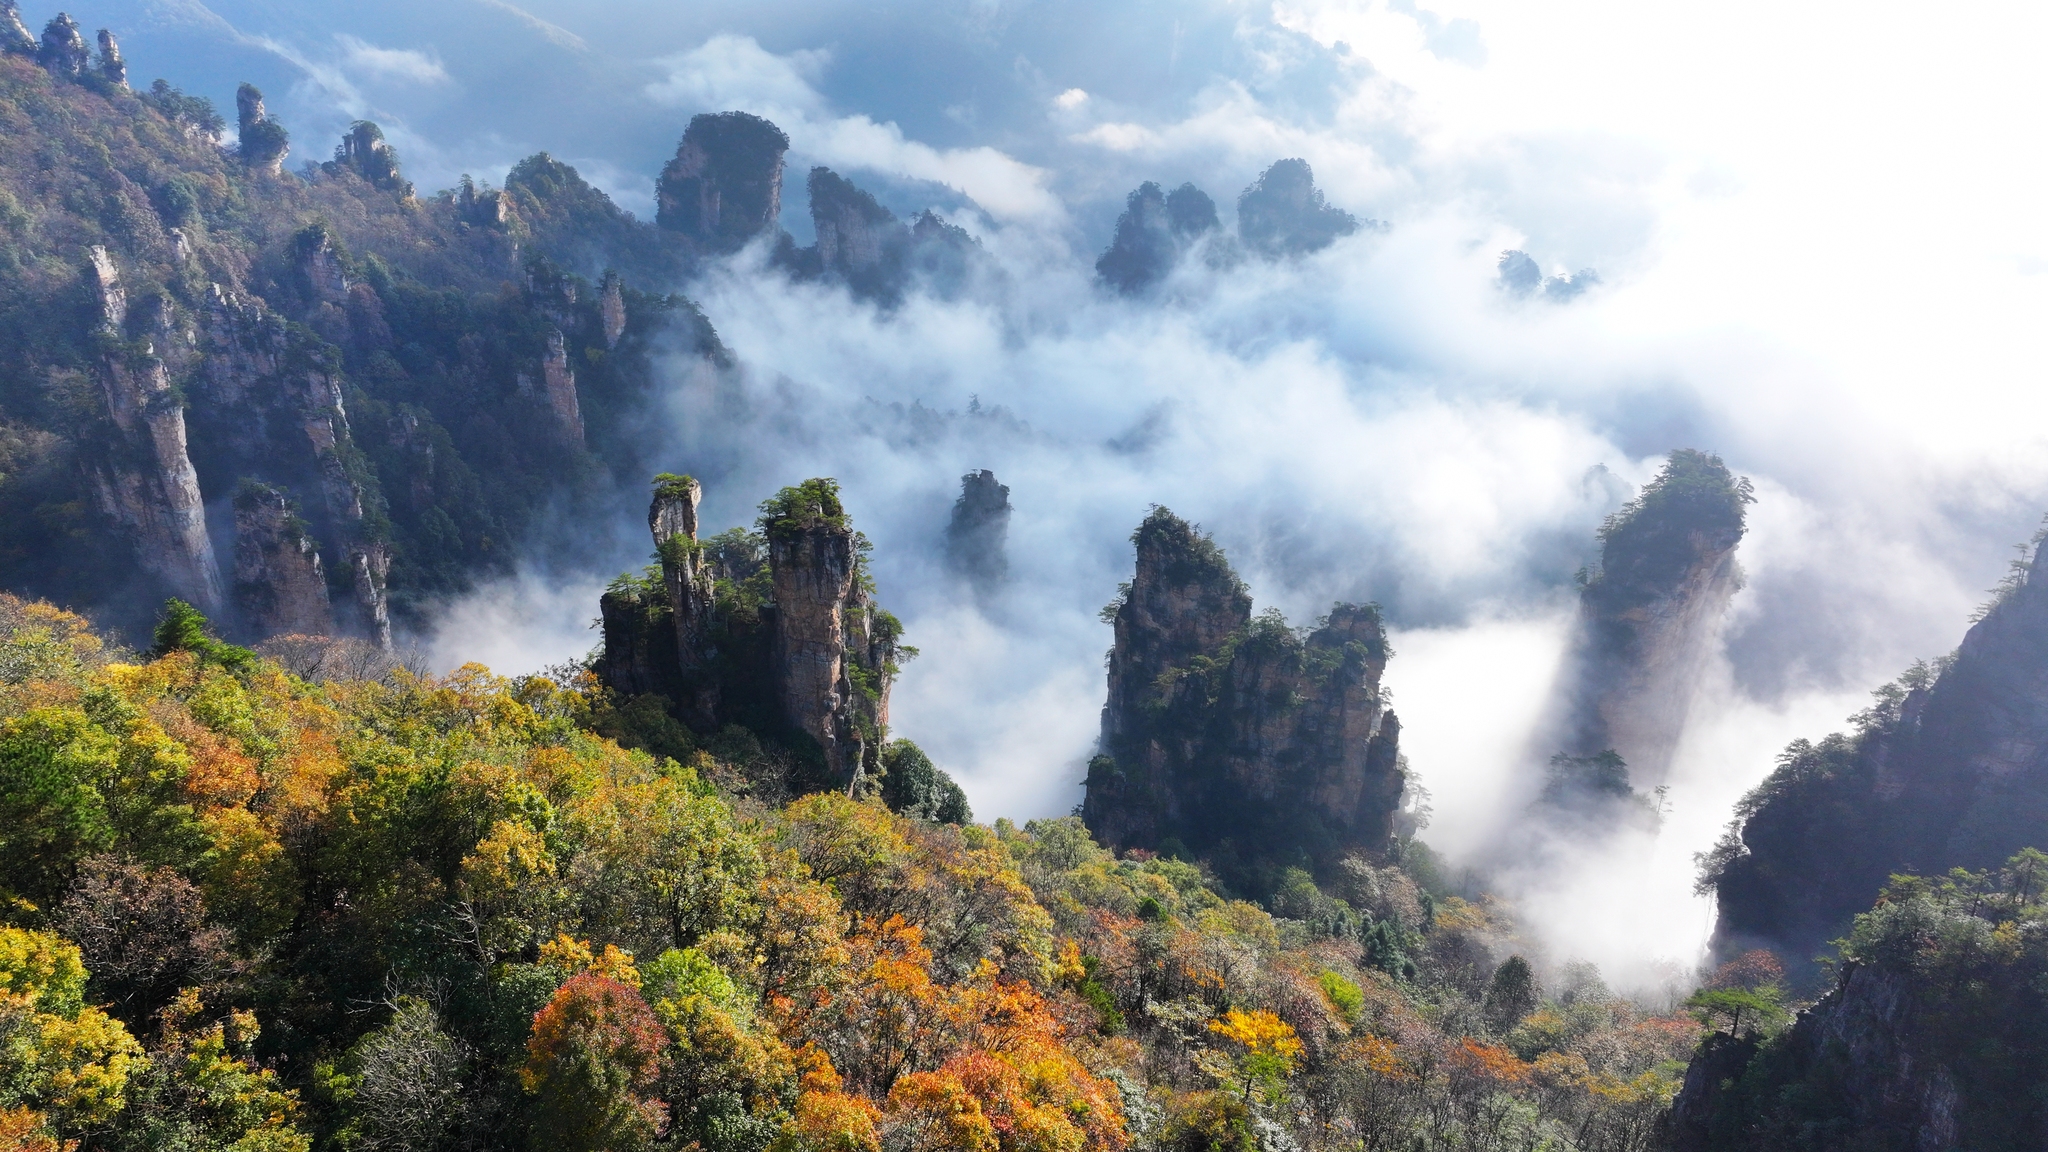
column 1236, row 739
column 1649, row 618
column 1947, row 769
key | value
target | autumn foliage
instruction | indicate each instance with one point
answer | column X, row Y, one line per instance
column 466, row 921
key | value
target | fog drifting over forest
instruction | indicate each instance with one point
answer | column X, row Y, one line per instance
column 1820, row 253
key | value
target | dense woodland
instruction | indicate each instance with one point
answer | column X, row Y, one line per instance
column 255, row 904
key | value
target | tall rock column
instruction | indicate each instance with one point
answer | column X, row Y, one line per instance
column 110, row 66
column 672, row 517
column 834, row 650
column 264, row 141
column 559, row 379
column 724, row 186
column 1650, row 618
column 980, row 526
column 612, row 310
column 151, row 488
column 810, row 551
column 1236, row 739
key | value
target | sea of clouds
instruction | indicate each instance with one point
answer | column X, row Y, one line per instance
column 1820, row 252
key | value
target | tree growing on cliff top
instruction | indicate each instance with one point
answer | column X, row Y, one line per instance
column 1695, row 503
column 803, row 507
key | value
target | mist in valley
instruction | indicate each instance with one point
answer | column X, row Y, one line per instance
column 1800, row 265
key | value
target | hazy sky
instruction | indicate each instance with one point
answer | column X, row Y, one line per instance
column 1821, row 247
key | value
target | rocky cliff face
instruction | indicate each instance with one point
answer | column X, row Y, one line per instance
column 323, row 333
column 980, row 526
column 1236, row 739
column 1649, row 620
column 1949, row 769
column 834, row 654
column 804, row 656
column 14, row 35
column 1858, row 1056
column 280, row 583
column 724, row 186
column 1933, row 1033
column 146, row 482
column 263, row 141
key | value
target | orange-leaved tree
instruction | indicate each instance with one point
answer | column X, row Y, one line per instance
column 592, row 1063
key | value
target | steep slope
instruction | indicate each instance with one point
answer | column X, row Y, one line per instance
column 418, row 377
column 1234, row 739
column 1948, row 769
column 1934, row 1035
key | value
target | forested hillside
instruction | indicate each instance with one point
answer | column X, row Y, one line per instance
column 254, row 907
column 302, row 400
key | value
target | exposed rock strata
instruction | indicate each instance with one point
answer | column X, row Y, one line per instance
column 64, row 52
column 14, row 35
column 280, row 583
column 1233, row 738
column 612, row 311
column 812, row 663
column 1864, row 1040
column 147, row 484
column 724, row 186
column 1948, row 770
column 110, row 66
column 560, row 382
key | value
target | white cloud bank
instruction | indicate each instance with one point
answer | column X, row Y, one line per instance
column 1819, row 237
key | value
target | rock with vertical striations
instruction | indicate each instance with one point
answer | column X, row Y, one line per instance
column 804, row 658
column 859, row 241
column 834, row 655
column 864, row 246
column 110, row 67
column 724, row 186
column 1235, row 739
column 1650, row 618
column 672, row 518
column 64, row 52
column 263, row 141
column 148, row 485
column 612, row 310
column 280, row 584
column 980, row 526
column 275, row 395
column 559, row 379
